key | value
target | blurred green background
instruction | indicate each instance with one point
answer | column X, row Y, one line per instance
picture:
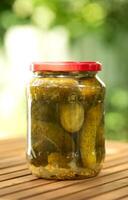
column 54, row 30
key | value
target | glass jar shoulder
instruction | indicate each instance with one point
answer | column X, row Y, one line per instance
column 92, row 86
column 94, row 81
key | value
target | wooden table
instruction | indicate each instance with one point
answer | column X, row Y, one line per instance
column 16, row 182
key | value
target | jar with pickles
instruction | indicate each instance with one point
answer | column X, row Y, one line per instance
column 65, row 120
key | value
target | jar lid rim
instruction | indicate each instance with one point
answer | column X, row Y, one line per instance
column 68, row 66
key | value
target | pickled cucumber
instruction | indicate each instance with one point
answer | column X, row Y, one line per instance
column 49, row 137
column 58, row 160
column 88, row 136
column 37, row 155
column 92, row 89
column 100, row 142
column 71, row 116
column 41, row 110
column 52, row 89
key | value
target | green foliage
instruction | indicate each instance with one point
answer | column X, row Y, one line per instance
column 79, row 17
column 117, row 114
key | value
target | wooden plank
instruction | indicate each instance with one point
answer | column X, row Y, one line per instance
column 116, row 145
column 12, row 144
column 22, row 187
column 13, row 149
column 12, row 159
column 115, row 168
column 115, row 194
column 123, row 197
column 12, row 141
column 81, row 191
column 116, row 162
column 11, row 164
column 13, row 169
column 17, row 183
column 40, row 189
column 115, row 157
column 12, row 154
column 14, row 175
column 66, row 185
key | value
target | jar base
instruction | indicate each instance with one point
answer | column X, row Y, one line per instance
column 55, row 173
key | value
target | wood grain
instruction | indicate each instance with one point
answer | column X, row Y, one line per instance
column 16, row 181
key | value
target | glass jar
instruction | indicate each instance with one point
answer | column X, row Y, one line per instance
column 65, row 120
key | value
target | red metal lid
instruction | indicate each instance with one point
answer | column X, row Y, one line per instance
column 66, row 66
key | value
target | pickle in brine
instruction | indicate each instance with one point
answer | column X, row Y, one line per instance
column 88, row 136
column 44, row 111
column 100, row 142
column 59, row 160
column 52, row 89
column 71, row 116
column 49, row 137
column 92, row 89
